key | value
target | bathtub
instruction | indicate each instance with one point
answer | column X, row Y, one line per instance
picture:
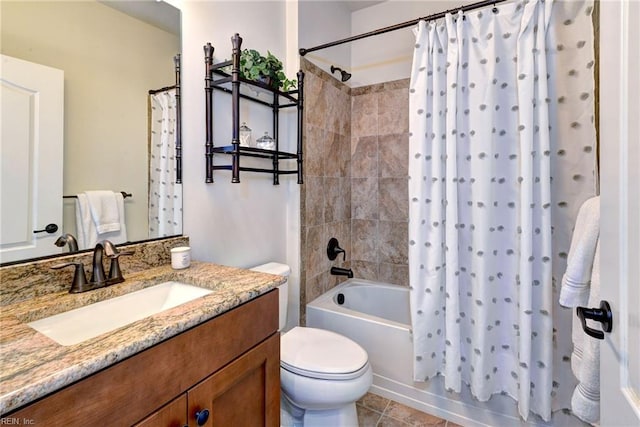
column 377, row 316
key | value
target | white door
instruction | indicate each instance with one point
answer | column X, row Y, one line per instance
column 31, row 153
column 620, row 198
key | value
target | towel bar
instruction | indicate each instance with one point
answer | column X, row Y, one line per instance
column 124, row 195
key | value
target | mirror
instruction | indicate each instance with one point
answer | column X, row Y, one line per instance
column 116, row 56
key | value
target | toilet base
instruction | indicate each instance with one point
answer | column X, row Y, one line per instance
column 293, row 416
column 290, row 415
column 346, row 416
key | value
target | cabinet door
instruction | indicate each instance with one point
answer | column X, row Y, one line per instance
column 244, row 393
column 173, row 414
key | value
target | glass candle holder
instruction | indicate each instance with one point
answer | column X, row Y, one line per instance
column 245, row 135
column 266, row 142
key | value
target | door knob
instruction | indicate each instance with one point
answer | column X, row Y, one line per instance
column 602, row 315
column 50, row 228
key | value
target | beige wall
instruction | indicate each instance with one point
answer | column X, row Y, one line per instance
column 110, row 62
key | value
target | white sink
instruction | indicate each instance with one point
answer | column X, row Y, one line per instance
column 75, row 326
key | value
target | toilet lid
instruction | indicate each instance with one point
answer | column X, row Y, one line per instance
column 318, row 353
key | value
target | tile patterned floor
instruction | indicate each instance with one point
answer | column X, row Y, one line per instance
column 377, row 411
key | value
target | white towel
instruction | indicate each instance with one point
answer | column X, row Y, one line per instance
column 577, row 277
column 86, row 231
column 104, row 210
column 585, row 362
column 580, row 287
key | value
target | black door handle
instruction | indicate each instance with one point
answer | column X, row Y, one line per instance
column 602, row 315
column 50, row 228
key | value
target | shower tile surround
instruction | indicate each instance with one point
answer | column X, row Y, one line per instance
column 356, row 148
column 379, row 171
column 21, row 282
column 325, row 196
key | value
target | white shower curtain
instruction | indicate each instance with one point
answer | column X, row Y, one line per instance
column 165, row 196
column 502, row 147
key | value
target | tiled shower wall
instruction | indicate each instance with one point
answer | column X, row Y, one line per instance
column 355, row 148
column 379, row 170
column 325, row 196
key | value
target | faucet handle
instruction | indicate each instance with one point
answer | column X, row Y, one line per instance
column 109, row 248
column 79, row 283
column 115, row 273
column 333, row 249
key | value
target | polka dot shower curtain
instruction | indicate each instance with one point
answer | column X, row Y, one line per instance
column 502, row 155
column 165, row 196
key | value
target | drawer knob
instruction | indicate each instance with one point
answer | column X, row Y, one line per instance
column 202, row 417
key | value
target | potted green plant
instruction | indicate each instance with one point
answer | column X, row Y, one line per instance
column 268, row 70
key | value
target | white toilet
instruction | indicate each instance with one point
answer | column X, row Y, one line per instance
column 322, row 373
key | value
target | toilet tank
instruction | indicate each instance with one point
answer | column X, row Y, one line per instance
column 283, row 289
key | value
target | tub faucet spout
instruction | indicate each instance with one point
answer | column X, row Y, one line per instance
column 339, row 271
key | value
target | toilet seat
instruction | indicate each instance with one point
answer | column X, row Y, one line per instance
column 322, row 354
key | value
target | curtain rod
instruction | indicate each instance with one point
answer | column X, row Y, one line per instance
column 406, row 24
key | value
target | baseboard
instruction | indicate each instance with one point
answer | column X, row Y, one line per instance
column 462, row 408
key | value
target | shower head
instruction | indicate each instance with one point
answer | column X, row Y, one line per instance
column 344, row 76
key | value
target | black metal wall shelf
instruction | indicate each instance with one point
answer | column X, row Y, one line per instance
column 257, row 92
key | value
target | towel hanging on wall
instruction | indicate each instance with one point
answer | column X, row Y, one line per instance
column 103, row 217
column 104, row 210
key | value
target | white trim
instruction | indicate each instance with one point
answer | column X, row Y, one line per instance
column 462, row 410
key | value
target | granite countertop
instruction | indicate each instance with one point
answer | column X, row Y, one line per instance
column 33, row 365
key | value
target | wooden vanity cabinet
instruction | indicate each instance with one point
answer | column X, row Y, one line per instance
column 228, row 366
column 240, row 394
column 173, row 414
